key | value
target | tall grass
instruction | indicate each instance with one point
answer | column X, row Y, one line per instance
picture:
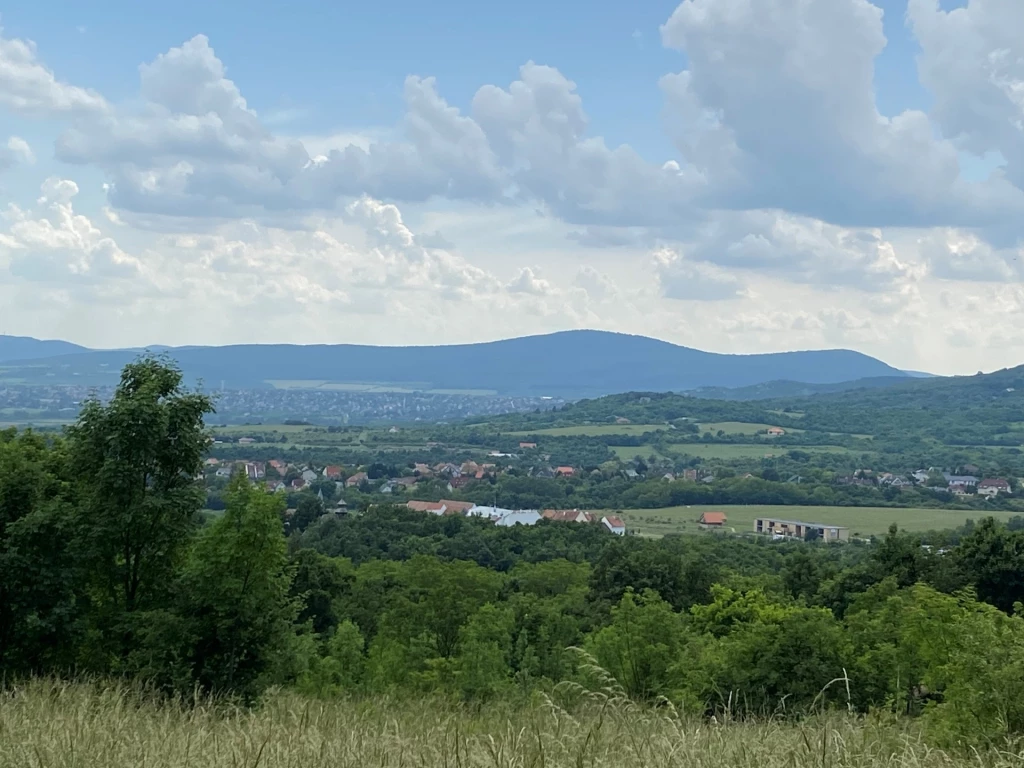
column 46, row 724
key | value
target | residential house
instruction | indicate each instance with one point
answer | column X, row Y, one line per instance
column 920, row 475
column 668, row 476
column 519, row 517
column 776, row 431
column 565, row 471
column 712, row 520
column 310, row 476
column 568, row 516
column 223, row 472
column 423, row 470
column 298, row 484
column 212, row 462
column 255, row 471
column 434, row 507
column 332, row 472
column 279, row 465
column 457, row 507
column 968, row 480
column 960, row 490
column 993, row 486
column 546, row 472
column 527, row 446
column 459, row 481
column 614, row 524
column 449, row 470
column 357, row 479
column 246, row 440
column 690, row 474
column 469, row 468
column 631, row 474
column 273, row 486
column 796, row 529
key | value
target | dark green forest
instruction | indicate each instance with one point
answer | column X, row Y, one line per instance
column 110, row 567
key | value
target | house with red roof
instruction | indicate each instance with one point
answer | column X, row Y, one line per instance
column 357, row 479
column 993, row 486
column 614, row 524
column 712, row 520
column 568, row 516
column 457, row 507
column 332, row 472
column 434, row 507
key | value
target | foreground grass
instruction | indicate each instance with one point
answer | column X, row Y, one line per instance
column 50, row 724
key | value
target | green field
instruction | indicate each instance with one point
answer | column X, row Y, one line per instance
column 740, row 427
column 595, row 430
column 863, row 521
column 725, row 451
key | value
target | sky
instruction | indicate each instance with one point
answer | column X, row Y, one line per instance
column 733, row 175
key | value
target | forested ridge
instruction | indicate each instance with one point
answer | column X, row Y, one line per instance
column 110, row 568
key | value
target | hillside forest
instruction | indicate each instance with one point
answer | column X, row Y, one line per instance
column 111, row 568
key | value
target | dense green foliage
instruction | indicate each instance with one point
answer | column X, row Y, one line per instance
column 109, row 567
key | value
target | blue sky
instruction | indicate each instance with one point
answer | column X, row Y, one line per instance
column 827, row 187
column 342, row 64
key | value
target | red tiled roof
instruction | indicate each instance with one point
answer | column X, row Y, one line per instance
column 458, row 507
column 566, row 515
column 425, row 506
column 615, row 522
column 713, row 518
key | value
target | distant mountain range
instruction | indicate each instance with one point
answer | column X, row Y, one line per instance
column 569, row 364
column 27, row 348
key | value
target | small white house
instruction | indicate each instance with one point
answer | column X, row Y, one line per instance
column 614, row 524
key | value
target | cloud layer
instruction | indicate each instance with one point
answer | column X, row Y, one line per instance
column 792, row 213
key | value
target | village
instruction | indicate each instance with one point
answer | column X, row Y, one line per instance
column 419, row 486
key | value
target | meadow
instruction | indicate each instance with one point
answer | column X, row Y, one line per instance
column 595, row 430
column 724, row 451
column 740, row 427
column 91, row 726
column 863, row 521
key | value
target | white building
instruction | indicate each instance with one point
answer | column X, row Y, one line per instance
column 520, row 517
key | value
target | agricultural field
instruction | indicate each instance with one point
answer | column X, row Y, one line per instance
column 725, row 451
column 595, row 430
column 862, row 521
column 740, row 427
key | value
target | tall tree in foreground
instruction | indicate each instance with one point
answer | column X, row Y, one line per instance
column 236, row 596
column 135, row 462
column 38, row 602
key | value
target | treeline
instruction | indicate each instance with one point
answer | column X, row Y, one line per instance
column 108, row 567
